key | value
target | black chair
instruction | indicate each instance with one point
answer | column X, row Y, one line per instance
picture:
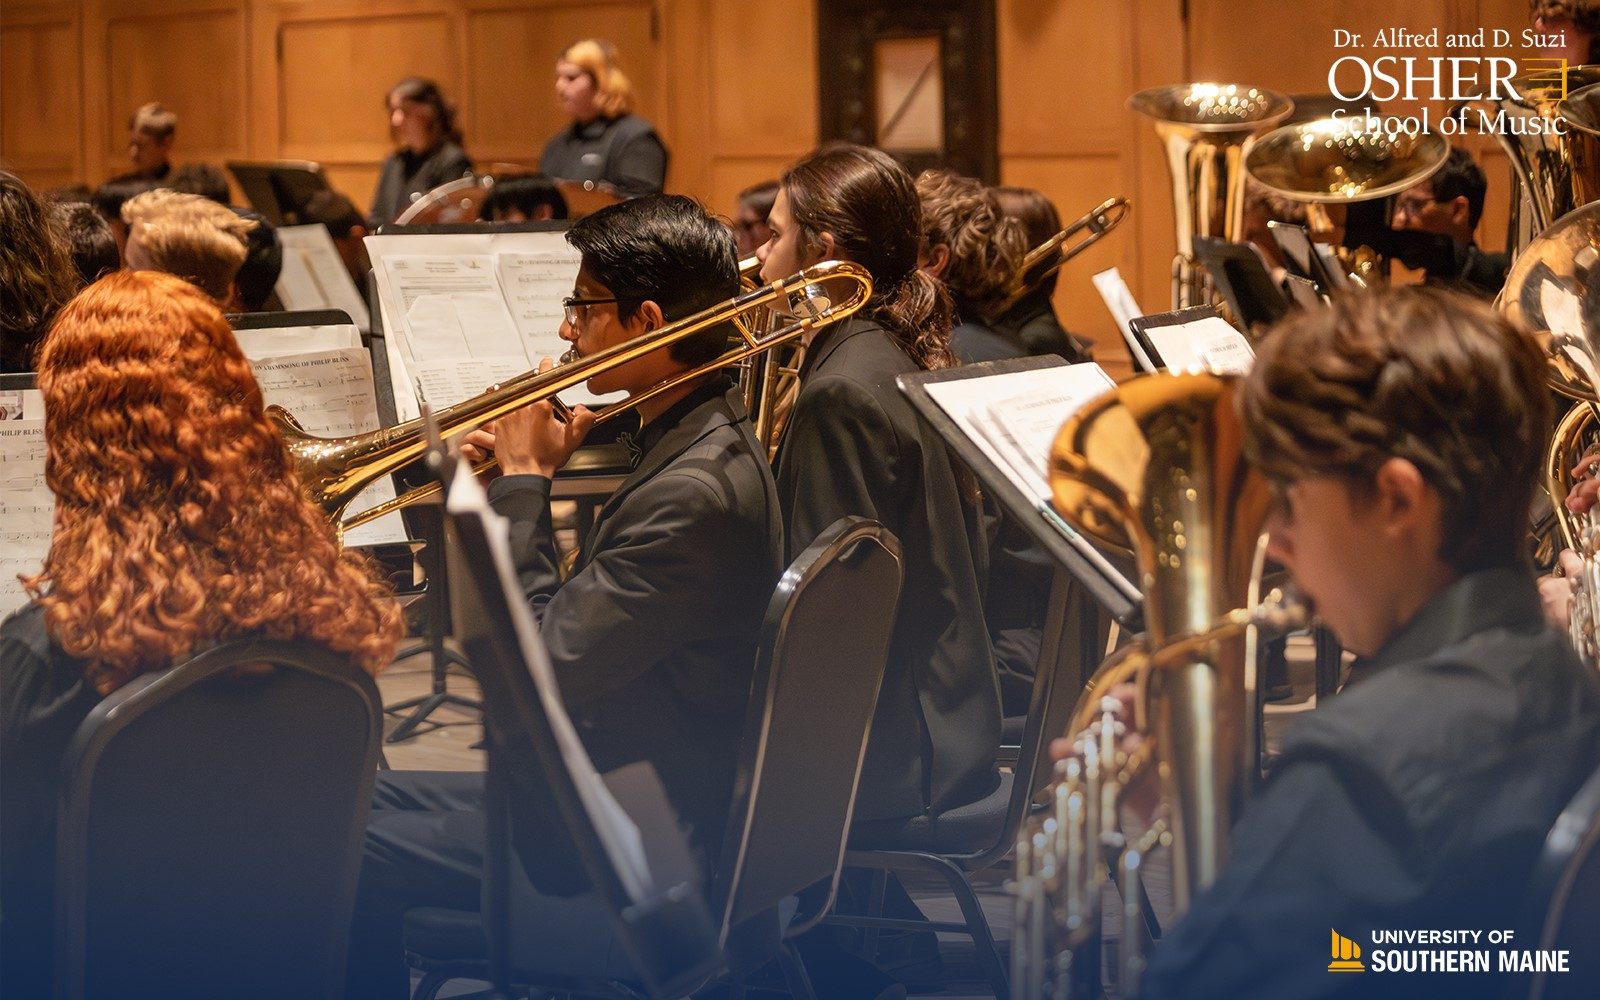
column 1562, row 908
column 824, row 642
column 211, row 825
column 968, row 839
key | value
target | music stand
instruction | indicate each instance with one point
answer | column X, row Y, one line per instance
column 281, row 189
column 1141, row 326
column 1243, row 281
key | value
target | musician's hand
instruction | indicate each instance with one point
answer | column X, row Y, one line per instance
column 1555, row 592
column 477, row 445
column 1142, row 796
column 1586, row 484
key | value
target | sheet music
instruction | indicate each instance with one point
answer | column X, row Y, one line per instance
column 619, row 835
column 1114, row 292
column 494, row 295
column 331, row 394
column 314, row 275
column 26, row 508
column 445, row 383
column 1014, row 417
column 21, row 404
column 1206, row 345
column 276, row 342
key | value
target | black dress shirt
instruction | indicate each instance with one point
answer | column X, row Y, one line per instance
column 406, row 175
column 653, row 634
column 1418, row 797
column 854, row 445
column 43, row 700
column 624, row 152
column 1032, row 322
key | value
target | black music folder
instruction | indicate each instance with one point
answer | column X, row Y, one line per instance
column 1106, row 581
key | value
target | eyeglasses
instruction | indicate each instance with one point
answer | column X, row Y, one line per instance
column 1413, row 206
column 576, row 308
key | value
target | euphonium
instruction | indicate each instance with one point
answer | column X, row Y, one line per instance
column 1156, row 465
column 1553, row 289
column 1524, row 121
column 334, row 470
column 1207, row 129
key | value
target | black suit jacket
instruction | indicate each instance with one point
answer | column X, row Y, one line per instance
column 653, row 634
column 404, row 176
column 855, row 446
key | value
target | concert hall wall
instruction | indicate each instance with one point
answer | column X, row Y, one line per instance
column 731, row 84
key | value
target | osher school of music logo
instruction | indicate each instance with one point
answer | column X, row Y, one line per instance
column 1346, row 955
column 1469, row 951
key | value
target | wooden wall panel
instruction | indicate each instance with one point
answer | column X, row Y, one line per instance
column 192, row 61
column 39, row 78
column 511, row 56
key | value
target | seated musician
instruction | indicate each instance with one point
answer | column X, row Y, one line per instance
column 1434, row 228
column 36, row 274
column 606, row 143
column 189, row 236
column 854, row 446
column 652, row 634
column 750, row 219
column 175, row 508
column 1567, row 29
column 423, row 125
column 971, row 246
column 523, row 199
column 152, row 130
column 1032, row 318
column 1403, row 431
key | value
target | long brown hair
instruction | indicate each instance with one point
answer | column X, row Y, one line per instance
column 37, row 276
column 179, row 517
column 868, row 204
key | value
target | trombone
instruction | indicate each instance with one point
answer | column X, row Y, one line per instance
column 334, row 470
column 1048, row 257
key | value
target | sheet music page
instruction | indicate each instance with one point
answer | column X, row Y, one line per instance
column 453, row 306
column 331, row 394
column 21, row 404
column 535, row 284
column 314, row 275
column 1014, row 417
column 26, row 507
column 619, row 835
column 284, row 340
column 1124, row 309
column 1206, row 345
column 445, row 383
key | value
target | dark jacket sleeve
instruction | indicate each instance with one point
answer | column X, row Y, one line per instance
column 641, row 598
column 1306, row 858
column 638, row 165
column 839, row 458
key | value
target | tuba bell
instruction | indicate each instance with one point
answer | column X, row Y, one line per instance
column 1157, row 466
column 1206, row 129
column 1553, row 289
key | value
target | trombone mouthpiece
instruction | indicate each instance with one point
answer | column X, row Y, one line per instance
column 568, row 356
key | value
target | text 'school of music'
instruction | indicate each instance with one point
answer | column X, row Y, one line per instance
column 837, row 625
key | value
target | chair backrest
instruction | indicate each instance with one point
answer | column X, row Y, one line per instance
column 534, row 805
column 1563, row 899
column 818, row 673
column 211, row 827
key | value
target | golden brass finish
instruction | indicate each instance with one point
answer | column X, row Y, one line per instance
column 1079, row 235
column 1341, row 160
column 1206, row 129
column 1158, row 465
column 334, row 470
column 1579, row 532
column 1553, row 289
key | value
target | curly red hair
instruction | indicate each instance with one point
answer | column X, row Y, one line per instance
column 179, row 516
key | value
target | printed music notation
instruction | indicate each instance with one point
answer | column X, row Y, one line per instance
column 447, row 382
column 331, row 394
column 26, row 508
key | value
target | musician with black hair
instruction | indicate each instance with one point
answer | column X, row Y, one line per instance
column 1402, row 432
column 1434, row 228
column 652, row 634
column 423, row 125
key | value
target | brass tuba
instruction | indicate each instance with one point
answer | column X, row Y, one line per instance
column 1553, row 289
column 1525, row 121
column 1206, row 129
column 1156, row 465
